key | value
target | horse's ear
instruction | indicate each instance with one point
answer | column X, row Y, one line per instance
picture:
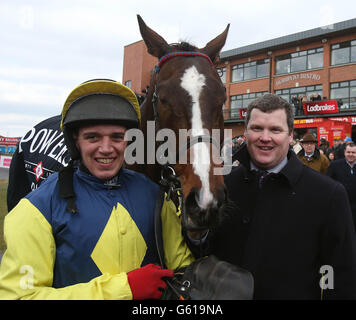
column 213, row 47
column 155, row 44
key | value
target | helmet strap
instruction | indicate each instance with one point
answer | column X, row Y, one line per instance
column 66, row 190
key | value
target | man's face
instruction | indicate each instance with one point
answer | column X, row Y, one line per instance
column 350, row 154
column 309, row 147
column 268, row 137
column 102, row 149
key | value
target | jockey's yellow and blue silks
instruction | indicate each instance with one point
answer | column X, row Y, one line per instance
column 54, row 254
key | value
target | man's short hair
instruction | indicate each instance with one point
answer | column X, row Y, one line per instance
column 270, row 102
column 351, row 145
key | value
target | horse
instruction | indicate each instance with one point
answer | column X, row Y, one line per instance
column 186, row 93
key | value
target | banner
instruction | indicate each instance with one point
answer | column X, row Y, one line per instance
column 5, row 161
column 314, row 122
column 351, row 119
column 320, row 107
column 243, row 113
column 9, row 141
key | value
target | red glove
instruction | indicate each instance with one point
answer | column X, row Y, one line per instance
column 146, row 282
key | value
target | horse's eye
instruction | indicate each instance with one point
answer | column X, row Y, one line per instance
column 163, row 100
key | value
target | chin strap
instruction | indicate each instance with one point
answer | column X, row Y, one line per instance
column 66, row 190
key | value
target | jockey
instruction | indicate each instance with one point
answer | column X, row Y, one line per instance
column 88, row 231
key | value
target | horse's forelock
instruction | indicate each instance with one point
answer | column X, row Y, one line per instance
column 183, row 46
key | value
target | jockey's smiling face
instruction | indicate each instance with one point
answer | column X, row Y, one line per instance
column 102, row 149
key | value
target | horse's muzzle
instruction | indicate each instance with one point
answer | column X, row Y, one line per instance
column 196, row 218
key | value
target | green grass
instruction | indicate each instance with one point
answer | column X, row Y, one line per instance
column 3, row 211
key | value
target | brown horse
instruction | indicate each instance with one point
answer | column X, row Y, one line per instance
column 186, row 92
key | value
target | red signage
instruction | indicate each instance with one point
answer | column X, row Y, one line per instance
column 320, row 107
column 9, row 141
column 243, row 113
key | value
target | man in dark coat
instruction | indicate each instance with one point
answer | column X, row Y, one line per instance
column 344, row 171
column 289, row 227
column 338, row 149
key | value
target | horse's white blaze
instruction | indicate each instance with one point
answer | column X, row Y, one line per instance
column 193, row 82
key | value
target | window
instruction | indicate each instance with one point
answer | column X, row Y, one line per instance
column 300, row 61
column 262, row 68
column 250, row 70
column 353, row 51
column 237, row 73
column 315, row 58
column 344, row 52
column 240, row 102
column 128, row 83
column 283, row 64
column 222, row 74
column 345, row 93
column 235, row 105
column 309, row 91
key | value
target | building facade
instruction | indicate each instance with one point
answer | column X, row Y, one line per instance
column 137, row 67
column 315, row 70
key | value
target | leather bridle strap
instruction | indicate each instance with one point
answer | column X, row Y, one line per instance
column 171, row 55
column 193, row 140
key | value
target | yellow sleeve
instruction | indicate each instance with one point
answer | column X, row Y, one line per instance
column 177, row 254
column 26, row 270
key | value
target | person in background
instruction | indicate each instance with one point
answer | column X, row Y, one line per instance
column 344, row 171
column 331, row 156
column 343, row 144
column 83, row 234
column 311, row 156
column 324, row 146
column 277, row 227
column 338, row 148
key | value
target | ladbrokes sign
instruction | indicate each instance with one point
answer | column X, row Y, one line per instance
column 318, row 107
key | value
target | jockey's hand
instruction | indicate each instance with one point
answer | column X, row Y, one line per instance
column 146, row 282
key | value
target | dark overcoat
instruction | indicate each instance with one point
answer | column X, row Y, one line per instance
column 285, row 232
column 342, row 172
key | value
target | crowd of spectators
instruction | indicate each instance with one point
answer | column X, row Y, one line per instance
column 298, row 101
